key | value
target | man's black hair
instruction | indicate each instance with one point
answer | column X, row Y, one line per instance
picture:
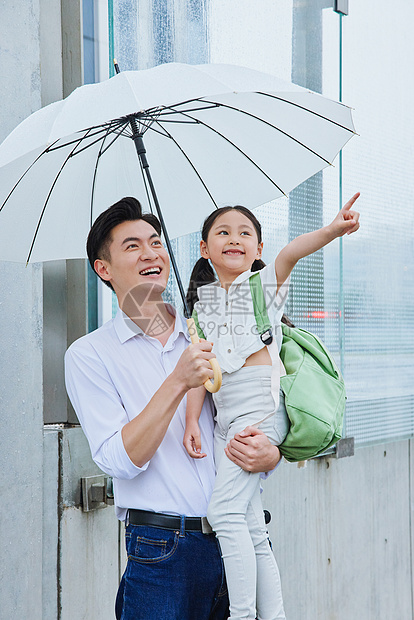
column 99, row 239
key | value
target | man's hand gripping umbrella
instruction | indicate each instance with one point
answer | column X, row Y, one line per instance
column 211, row 386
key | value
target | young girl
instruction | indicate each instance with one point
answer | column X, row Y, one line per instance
column 231, row 240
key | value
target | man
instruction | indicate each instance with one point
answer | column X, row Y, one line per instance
column 127, row 382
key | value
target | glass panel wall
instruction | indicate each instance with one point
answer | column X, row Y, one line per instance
column 378, row 262
column 356, row 294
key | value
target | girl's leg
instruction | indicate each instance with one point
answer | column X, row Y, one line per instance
column 269, row 601
column 252, row 575
column 235, row 507
column 227, row 516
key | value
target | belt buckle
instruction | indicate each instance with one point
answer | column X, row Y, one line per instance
column 205, row 526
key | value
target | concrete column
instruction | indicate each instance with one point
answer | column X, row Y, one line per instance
column 21, row 401
column 21, row 441
column 72, row 45
column 50, row 51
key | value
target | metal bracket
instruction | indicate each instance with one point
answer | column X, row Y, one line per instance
column 345, row 447
column 97, row 492
column 341, row 6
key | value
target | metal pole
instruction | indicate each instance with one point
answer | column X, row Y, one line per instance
column 111, row 36
column 341, row 246
column 141, row 152
column 341, row 241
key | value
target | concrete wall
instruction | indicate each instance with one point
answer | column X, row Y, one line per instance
column 342, row 535
column 21, row 400
column 80, row 550
column 21, row 440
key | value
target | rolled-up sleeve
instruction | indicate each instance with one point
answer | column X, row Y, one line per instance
column 99, row 409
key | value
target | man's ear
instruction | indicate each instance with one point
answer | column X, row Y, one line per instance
column 102, row 268
column 203, row 249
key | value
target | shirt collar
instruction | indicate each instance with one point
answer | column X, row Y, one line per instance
column 241, row 278
column 126, row 328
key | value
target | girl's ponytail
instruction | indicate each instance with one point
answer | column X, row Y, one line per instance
column 202, row 274
column 257, row 265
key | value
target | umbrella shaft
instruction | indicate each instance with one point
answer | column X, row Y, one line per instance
column 141, row 152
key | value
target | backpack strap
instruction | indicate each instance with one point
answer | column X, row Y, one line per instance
column 264, row 326
column 197, row 324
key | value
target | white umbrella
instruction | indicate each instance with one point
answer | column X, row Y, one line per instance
column 214, row 135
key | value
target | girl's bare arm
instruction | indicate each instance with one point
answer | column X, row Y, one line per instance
column 346, row 222
column 192, row 435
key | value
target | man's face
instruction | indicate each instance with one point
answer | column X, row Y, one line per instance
column 139, row 262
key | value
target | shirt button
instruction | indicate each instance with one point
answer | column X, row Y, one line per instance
column 228, row 350
column 227, row 303
column 224, row 324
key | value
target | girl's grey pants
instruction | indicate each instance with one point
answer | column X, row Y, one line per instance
column 235, row 511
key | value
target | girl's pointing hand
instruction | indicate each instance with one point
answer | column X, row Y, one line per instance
column 347, row 220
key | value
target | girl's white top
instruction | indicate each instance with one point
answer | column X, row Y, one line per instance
column 227, row 318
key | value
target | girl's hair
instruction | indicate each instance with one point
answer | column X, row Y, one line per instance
column 203, row 272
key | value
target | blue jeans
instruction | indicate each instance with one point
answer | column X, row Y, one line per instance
column 171, row 576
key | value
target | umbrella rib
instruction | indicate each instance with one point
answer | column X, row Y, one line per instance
column 100, row 153
column 160, row 109
column 190, row 162
column 78, row 140
column 326, row 118
column 240, row 151
column 230, row 107
column 164, row 132
column 210, row 105
column 114, row 130
column 24, row 174
column 117, row 135
column 46, row 203
column 180, row 122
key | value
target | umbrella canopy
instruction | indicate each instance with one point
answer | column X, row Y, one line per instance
column 214, row 135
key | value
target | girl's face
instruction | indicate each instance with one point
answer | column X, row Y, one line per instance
column 232, row 245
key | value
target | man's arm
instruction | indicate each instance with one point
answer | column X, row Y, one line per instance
column 122, row 447
column 143, row 434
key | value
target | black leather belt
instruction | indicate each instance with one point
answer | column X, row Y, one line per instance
column 168, row 522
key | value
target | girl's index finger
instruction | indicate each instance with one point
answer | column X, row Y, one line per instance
column 351, row 201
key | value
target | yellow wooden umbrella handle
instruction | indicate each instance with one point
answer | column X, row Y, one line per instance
column 211, row 386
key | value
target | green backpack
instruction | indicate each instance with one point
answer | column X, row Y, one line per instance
column 314, row 395
column 313, row 385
